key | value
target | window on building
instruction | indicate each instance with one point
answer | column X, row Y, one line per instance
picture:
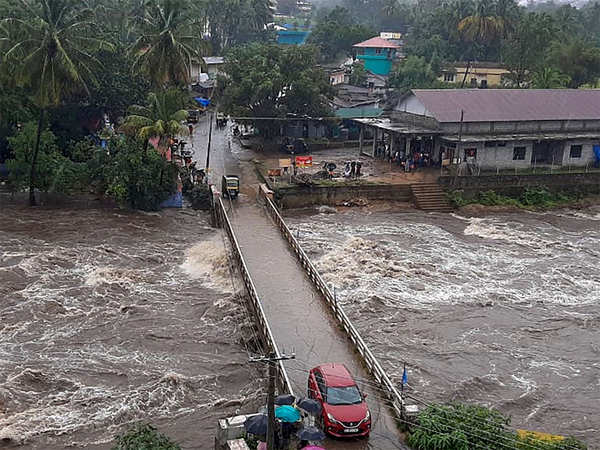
column 575, row 151
column 483, row 84
column 378, row 51
column 473, row 82
column 489, row 144
column 519, row 153
column 449, row 77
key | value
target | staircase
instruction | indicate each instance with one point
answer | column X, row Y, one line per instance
column 430, row 197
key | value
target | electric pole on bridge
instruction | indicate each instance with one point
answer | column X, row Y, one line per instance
column 272, row 360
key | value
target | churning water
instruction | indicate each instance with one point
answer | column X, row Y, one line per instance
column 501, row 310
column 109, row 317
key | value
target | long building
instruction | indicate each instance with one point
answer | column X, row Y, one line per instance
column 494, row 128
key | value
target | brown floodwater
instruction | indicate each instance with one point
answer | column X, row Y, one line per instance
column 501, row 310
column 108, row 317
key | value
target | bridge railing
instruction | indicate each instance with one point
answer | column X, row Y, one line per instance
column 283, row 380
column 374, row 367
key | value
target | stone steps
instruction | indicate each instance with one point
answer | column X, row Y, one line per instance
column 430, row 197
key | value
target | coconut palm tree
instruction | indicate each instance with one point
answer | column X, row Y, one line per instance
column 48, row 45
column 482, row 27
column 169, row 39
column 162, row 118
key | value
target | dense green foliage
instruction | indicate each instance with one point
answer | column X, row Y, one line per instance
column 53, row 171
column 336, row 32
column 266, row 80
column 465, row 427
column 529, row 198
column 144, row 437
column 526, row 39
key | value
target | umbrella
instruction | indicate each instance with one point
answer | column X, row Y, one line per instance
column 287, row 413
column 311, row 434
column 309, row 405
column 285, row 399
column 257, row 424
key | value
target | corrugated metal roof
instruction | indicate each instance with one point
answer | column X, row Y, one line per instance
column 507, row 105
column 352, row 113
column 214, row 59
column 376, row 42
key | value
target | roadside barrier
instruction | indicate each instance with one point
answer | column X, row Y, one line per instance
column 373, row 366
column 283, row 382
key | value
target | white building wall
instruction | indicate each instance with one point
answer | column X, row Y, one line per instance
column 587, row 153
column 412, row 105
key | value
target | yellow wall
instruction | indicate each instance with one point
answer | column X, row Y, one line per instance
column 493, row 76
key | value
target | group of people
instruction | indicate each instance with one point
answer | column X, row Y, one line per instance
column 407, row 161
column 353, row 169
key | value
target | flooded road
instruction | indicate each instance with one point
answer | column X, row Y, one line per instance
column 108, row 317
column 501, row 310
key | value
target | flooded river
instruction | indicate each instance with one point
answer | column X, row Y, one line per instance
column 108, row 317
column 501, row 310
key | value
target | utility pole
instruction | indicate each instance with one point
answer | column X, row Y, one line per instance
column 272, row 361
column 209, row 141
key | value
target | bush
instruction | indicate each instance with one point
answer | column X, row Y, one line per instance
column 144, row 437
column 531, row 198
column 200, row 197
column 463, row 427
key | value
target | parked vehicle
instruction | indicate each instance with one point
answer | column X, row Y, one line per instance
column 345, row 412
column 296, row 146
column 230, row 186
column 193, row 116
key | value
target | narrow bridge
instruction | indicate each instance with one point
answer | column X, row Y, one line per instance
column 296, row 311
column 293, row 307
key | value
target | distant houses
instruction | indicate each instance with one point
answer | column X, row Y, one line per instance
column 475, row 74
column 378, row 55
column 494, row 128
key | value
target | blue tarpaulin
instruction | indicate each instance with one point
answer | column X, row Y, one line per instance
column 597, row 153
column 202, row 101
column 175, row 201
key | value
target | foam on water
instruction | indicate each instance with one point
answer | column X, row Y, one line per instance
column 108, row 320
column 497, row 310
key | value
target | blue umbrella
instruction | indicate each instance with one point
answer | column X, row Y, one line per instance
column 285, row 399
column 287, row 413
column 309, row 405
column 311, row 434
column 257, row 424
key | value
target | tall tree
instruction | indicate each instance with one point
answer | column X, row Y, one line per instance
column 160, row 118
column 169, row 40
column 481, row 28
column 49, row 46
column 577, row 59
column 272, row 81
column 524, row 52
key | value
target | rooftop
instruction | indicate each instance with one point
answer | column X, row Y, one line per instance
column 214, row 60
column 376, row 42
column 510, row 105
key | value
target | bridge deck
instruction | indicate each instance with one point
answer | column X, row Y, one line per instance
column 301, row 322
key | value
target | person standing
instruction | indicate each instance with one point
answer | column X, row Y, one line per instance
column 191, row 130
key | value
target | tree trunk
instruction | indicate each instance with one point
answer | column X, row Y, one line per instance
column 462, row 85
column 36, row 150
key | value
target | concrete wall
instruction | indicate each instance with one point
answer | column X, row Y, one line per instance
column 585, row 183
column 521, row 127
column 303, row 196
column 491, row 158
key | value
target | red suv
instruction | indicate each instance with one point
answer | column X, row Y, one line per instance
column 345, row 412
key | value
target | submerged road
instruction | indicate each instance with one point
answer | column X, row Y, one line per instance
column 298, row 316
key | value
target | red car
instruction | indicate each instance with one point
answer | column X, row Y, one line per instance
column 345, row 412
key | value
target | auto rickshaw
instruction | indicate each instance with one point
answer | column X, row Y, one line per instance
column 230, row 186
